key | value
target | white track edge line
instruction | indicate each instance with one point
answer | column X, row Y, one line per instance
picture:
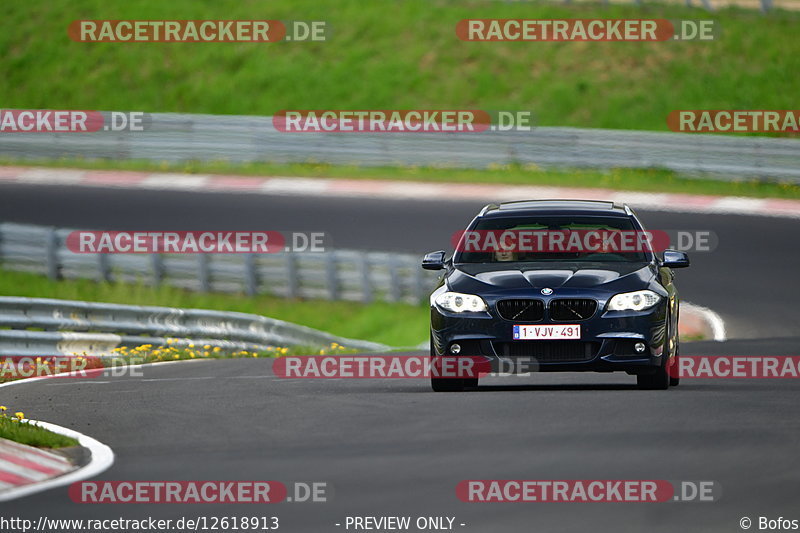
column 712, row 318
column 66, row 375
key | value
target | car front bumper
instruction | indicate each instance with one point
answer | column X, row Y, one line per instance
column 606, row 344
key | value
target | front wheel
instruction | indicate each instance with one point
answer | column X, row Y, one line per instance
column 658, row 380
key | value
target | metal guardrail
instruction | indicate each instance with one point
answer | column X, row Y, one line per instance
column 708, row 5
column 186, row 137
column 333, row 275
column 41, row 326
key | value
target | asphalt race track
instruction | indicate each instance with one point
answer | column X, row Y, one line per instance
column 393, row 447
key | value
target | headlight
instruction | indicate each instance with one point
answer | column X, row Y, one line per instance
column 633, row 301
column 461, row 303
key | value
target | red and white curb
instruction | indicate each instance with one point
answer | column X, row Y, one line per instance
column 26, row 470
column 393, row 190
column 22, row 465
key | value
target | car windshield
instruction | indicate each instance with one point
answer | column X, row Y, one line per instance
column 532, row 239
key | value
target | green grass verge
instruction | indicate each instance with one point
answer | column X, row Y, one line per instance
column 12, row 428
column 399, row 325
column 400, row 55
column 619, row 179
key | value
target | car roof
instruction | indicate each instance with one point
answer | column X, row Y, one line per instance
column 556, row 207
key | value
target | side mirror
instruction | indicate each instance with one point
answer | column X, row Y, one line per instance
column 433, row 260
column 675, row 259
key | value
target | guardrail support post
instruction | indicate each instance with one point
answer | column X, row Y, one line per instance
column 331, row 272
column 157, row 262
column 292, row 285
column 395, row 291
column 51, row 251
column 250, row 275
column 418, row 284
column 103, row 267
column 203, row 272
column 366, row 282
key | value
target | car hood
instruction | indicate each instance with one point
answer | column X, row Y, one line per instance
column 604, row 276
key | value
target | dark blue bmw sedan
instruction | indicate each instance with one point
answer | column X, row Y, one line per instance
column 556, row 285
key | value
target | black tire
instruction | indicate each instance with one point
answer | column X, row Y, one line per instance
column 675, row 381
column 447, row 384
column 470, row 383
column 672, row 363
column 658, row 380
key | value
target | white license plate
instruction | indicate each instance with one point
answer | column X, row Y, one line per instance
column 560, row 331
